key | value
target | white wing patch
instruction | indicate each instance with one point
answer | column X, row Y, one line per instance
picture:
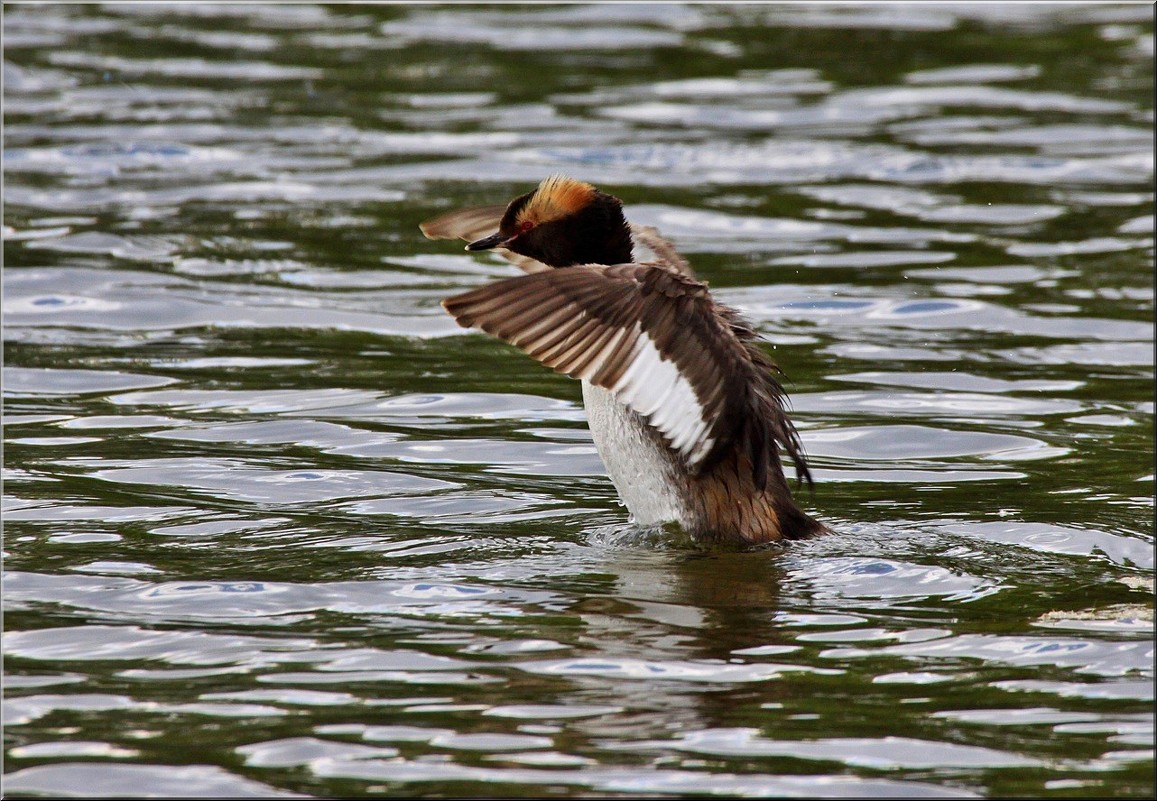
column 550, row 318
column 654, row 387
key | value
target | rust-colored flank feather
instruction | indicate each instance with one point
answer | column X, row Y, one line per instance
column 683, row 405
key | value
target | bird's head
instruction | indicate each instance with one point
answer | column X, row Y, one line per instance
column 563, row 222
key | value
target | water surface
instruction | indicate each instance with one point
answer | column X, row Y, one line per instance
column 275, row 525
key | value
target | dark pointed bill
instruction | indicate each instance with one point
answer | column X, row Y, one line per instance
column 495, row 240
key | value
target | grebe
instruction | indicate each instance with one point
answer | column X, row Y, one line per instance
column 683, row 406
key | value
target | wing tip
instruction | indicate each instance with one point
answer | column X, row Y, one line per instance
column 456, row 307
column 435, row 229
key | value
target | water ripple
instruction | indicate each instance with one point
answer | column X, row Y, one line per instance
column 268, row 505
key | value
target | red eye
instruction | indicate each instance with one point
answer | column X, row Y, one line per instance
column 526, row 226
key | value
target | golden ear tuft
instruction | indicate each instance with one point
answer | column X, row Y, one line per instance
column 556, row 197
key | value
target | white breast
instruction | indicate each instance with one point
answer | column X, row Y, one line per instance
column 639, row 466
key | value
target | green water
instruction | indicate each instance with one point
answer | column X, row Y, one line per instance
column 274, row 524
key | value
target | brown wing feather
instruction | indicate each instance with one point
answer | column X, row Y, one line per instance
column 468, row 224
column 649, row 237
column 593, row 322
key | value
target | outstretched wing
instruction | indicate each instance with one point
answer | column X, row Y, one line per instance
column 469, row 224
column 474, row 223
column 656, row 341
column 648, row 238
